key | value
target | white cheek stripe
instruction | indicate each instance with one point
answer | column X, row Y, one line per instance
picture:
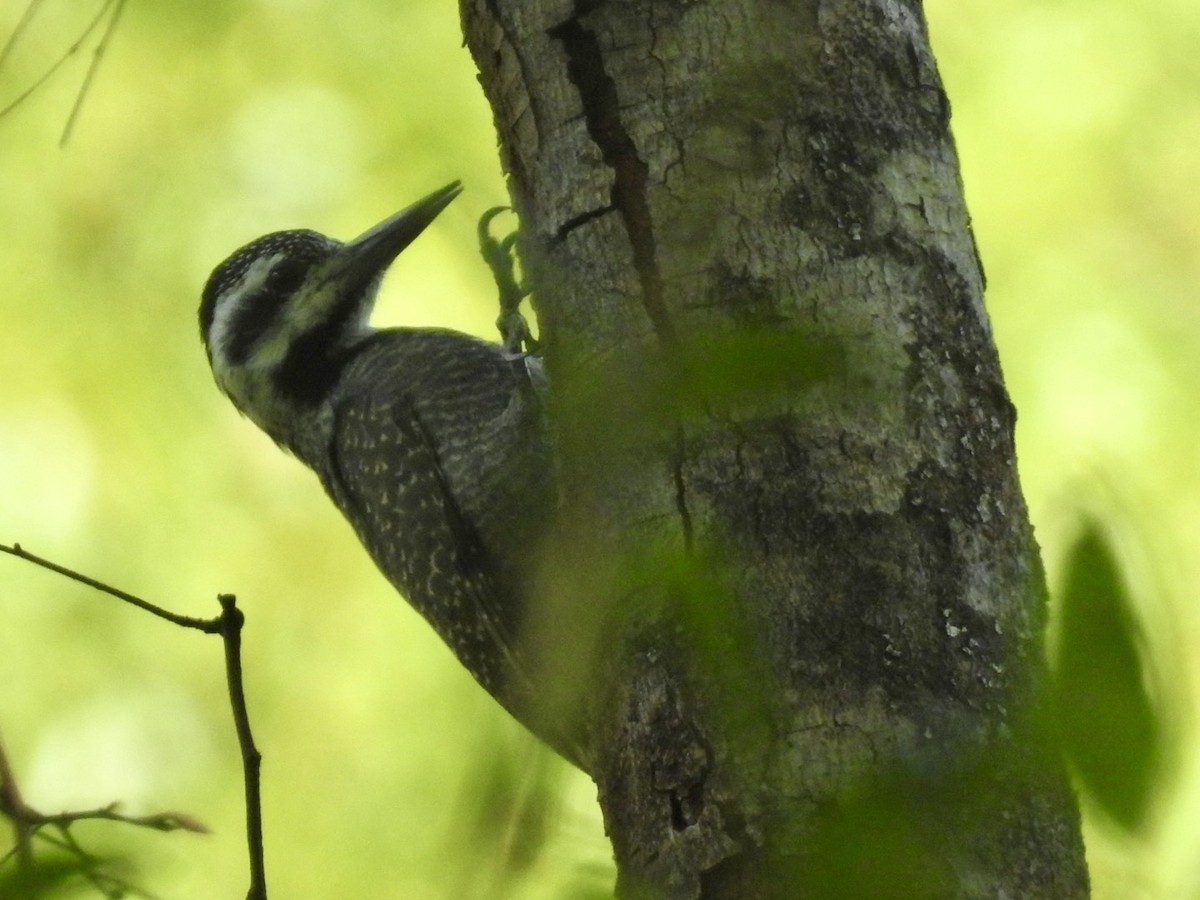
column 248, row 383
column 298, row 316
column 230, row 302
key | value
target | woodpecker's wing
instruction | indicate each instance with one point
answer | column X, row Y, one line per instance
column 385, row 476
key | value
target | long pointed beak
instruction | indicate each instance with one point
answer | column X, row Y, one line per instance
column 365, row 258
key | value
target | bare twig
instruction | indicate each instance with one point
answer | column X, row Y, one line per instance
column 26, row 820
column 93, row 68
column 110, row 6
column 22, row 24
column 231, row 633
column 27, row 823
column 165, row 821
column 208, row 626
column 11, row 799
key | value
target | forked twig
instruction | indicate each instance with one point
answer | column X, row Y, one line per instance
column 27, row 821
column 110, row 8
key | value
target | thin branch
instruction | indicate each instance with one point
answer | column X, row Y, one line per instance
column 11, row 799
column 61, row 61
column 165, row 821
column 27, row 823
column 93, row 67
column 231, row 633
column 22, row 24
column 15, row 809
column 208, row 626
column 229, row 625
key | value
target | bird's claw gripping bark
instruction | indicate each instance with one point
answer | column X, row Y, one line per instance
column 498, row 254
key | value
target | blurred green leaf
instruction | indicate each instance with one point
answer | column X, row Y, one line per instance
column 877, row 845
column 689, row 592
column 732, row 368
column 61, row 867
column 1102, row 711
column 510, row 804
column 638, row 398
column 48, row 876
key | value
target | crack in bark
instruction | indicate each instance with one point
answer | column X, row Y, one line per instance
column 582, row 219
column 602, row 115
column 681, row 503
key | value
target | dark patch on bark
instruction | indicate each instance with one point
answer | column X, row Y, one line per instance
column 747, row 300
column 972, row 401
column 836, row 203
column 882, row 604
column 880, row 80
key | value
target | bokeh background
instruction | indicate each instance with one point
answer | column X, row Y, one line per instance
column 387, row 773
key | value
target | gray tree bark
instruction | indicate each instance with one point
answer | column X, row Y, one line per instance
column 794, row 604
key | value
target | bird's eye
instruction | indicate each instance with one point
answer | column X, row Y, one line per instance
column 286, row 276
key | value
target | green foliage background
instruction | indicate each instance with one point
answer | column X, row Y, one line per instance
column 387, row 774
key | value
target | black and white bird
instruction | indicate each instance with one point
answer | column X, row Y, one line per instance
column 432, row 443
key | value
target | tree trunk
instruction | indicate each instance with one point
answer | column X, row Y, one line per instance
column 794, row 591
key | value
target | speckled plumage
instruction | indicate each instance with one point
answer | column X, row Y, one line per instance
column 445, row 480
column 432, row 443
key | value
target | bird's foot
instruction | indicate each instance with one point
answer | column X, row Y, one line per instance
column 499, row 255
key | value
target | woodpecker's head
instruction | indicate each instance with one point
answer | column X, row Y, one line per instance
column 279, row 316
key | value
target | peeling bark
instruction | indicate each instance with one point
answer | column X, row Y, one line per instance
column 805, row 632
